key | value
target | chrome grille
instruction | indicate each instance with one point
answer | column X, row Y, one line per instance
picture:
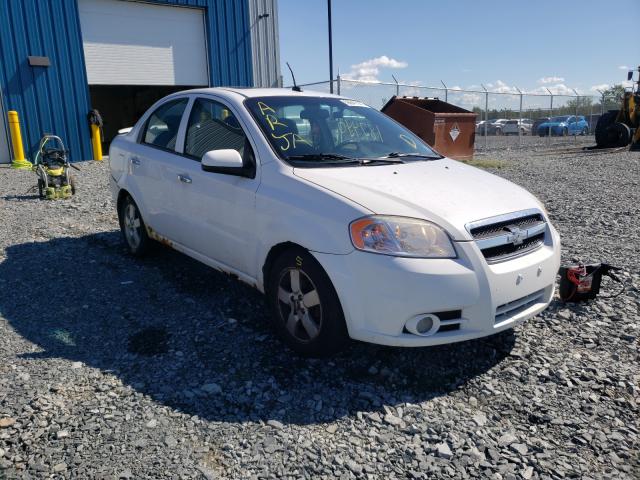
column 507, row 236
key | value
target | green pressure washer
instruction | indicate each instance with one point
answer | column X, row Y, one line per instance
column 52, row 168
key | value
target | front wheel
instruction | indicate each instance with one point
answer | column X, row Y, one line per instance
column 132, row 227
column 565, row 132
column 305, row 308
column 585, row 131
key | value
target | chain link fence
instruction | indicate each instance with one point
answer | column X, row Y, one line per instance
column 504, row 119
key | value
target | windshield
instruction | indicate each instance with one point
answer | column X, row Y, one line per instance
column 559, row 119
column 333, row 130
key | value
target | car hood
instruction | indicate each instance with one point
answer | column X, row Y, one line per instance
column 445, row 191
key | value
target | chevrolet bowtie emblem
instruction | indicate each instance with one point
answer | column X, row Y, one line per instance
column 517, row 235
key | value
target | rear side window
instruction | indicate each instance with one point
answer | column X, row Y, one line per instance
column 212, row 126
column 163, row 124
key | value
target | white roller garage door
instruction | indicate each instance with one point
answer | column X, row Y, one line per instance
column 132, row 43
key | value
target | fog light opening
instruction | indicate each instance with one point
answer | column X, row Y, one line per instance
column 423, row 325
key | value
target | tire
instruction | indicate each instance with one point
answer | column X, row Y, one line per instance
column 603, row 139
column 134, row 231
column 585, row 131
column 311, row 324
column 72, row 183
column 565, row 132
column 498, row 132
column 620, row 134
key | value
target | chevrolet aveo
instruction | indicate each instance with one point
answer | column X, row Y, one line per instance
column 349, row 223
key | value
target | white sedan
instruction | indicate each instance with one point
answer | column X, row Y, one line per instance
column 349, row 223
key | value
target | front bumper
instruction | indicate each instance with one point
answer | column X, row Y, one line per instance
column 380, row 293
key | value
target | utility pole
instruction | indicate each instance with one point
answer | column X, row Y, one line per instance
column 330, row 47
column 486, row 115
column 520, row 119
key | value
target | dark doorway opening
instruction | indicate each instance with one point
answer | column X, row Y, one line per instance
column 122, row 105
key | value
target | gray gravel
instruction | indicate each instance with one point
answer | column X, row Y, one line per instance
column 506, row 142
column 118, row 368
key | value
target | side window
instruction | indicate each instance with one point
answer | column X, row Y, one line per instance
column 212, row 126
column 162, row 126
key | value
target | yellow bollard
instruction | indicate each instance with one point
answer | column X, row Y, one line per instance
column 96, row 142
column 16, row 140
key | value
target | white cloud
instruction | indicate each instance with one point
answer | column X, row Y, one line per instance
column 601, row 86
column 369, row 70
column 501, row 87
column 557, row 89
column 548, row 80
column 623, row 67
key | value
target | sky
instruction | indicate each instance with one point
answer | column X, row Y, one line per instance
column 533, row 45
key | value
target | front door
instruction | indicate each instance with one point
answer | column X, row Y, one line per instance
column 219, row 208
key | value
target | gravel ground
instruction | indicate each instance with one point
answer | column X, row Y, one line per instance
column 118, row 368
column 513, row 142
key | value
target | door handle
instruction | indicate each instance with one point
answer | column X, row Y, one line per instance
column 184, row 178
column 135, row 161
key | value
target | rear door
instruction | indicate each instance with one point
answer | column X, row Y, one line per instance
column 151, row 164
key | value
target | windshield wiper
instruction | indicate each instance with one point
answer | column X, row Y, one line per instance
column 413, row 155
column 315, row 157
column 336, row 158
column 367, row 161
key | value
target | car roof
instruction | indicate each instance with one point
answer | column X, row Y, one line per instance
column 251, row 92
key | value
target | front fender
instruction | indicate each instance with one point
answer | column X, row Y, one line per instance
column 290, row 209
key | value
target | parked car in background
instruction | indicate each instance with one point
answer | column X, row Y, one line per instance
column 495, row 126
column 517, row 127
column 564, row 125
column 480, row 126
column 352, row 226
column 537, row 123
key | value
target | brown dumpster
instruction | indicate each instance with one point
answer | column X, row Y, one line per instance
column 449, row 129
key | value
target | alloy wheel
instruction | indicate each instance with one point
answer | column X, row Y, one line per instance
column 132, row 225
column 299, row 305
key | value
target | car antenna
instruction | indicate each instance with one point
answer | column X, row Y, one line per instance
column 295, row 87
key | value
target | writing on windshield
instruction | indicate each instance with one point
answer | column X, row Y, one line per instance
column 286, row 139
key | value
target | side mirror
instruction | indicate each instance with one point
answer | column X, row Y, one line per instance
column 226, row 161
column 630, row 75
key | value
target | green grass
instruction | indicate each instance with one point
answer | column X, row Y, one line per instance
column 485, row 163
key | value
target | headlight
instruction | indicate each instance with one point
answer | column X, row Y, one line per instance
column 401, row 236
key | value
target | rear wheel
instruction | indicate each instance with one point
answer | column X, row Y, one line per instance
column 133, row 228
column 305, row 308
column 585, row 131
column 565, row 132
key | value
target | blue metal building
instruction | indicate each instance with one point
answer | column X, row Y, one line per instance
column 59, row 59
